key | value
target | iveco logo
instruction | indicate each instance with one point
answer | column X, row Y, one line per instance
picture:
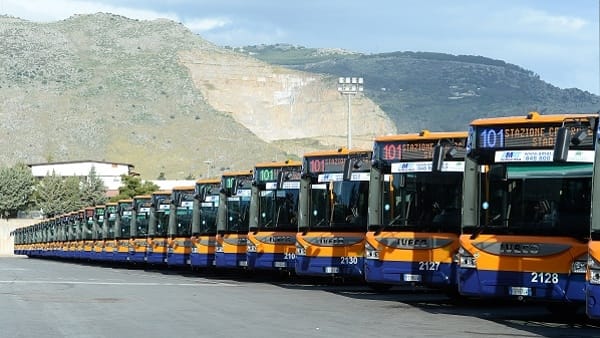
column 519, row 248
column 331, row 240
column 277, row 239
column 413, row 242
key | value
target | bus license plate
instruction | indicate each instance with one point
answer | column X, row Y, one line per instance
column 243, row 263
column 412, row 278
column 332, row 269
column 280, row 264
column 520, row 291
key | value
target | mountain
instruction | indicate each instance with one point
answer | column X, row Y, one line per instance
column 436, row 91
column 155, row 95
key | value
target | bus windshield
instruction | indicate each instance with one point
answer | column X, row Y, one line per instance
column 141, row 223
column 208, row 214
column 423, row 202
column 183, row 221
column 238, row 208
column 339, row 205
column 125, row 224
column 278, row 208
column 162, row 223
column 540, row 200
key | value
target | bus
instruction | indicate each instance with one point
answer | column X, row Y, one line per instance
column 592, row 287
column 415, row 201
column 332, row 210
column 140, row 225
column 108, row 231
column 204, row 222
column 88, row 233
column 72, row 234
column 123, row 230
column 274, row 216
column 97, row 232
column 233, row 219
column 160, row 210
column 526, row 209
column 180, row 226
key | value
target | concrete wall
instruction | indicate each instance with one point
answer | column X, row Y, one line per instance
column 7, row 241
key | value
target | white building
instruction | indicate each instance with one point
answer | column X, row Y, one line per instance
column 109, row 172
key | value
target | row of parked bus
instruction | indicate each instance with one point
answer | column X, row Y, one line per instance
column 504, row 210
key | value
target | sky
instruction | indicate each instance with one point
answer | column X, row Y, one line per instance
column 556, row 39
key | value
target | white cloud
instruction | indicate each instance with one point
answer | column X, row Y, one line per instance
column 552, row 23
column 206, row 24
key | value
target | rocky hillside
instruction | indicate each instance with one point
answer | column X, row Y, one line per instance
column 153, row 94
column 434, row 90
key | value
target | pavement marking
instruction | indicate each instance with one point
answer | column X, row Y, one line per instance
column 114, row 283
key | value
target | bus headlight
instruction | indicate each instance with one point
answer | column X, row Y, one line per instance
column 300, row 250
column 594, row 266
column 465, row 259
column 219, row 248
column 250, row 247
column 580, row 264
column 371, row 252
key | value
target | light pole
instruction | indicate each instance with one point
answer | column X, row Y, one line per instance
column 208, row 164
column 350, row 86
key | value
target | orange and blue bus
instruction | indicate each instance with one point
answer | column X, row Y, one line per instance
column 415, row 201
column 180, row 226
column 333, row 207
column 97, row 226
column 274, row 216
column 108, row 231
column 593, row 266
column 526, row 208
column 123, row 230
column 87, row 231
column 204, row 222
column 158, row 227
column 71, row 245
column 140, row 225
column 233, row 220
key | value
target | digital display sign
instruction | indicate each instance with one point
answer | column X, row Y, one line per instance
column 525, row 136
column 396, row 151
column 270, row 174
column 335, row 163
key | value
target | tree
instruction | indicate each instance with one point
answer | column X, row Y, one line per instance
column 16, row 188
column 56, row 195
column 92, row 190
column 132, row 186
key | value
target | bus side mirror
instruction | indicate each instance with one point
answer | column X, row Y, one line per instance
column 438, row 158
column 348, row 170
column 561, row 145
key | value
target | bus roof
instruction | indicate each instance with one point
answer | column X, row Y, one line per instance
column 138, row 197
column 339, row 151
column 125, row 200
column 277, row 164
column 212, row 180
column 532, row 117
column 111, row 203
column 238, row 173
column 184, row 188
column 162, row 192
column 423, row 135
